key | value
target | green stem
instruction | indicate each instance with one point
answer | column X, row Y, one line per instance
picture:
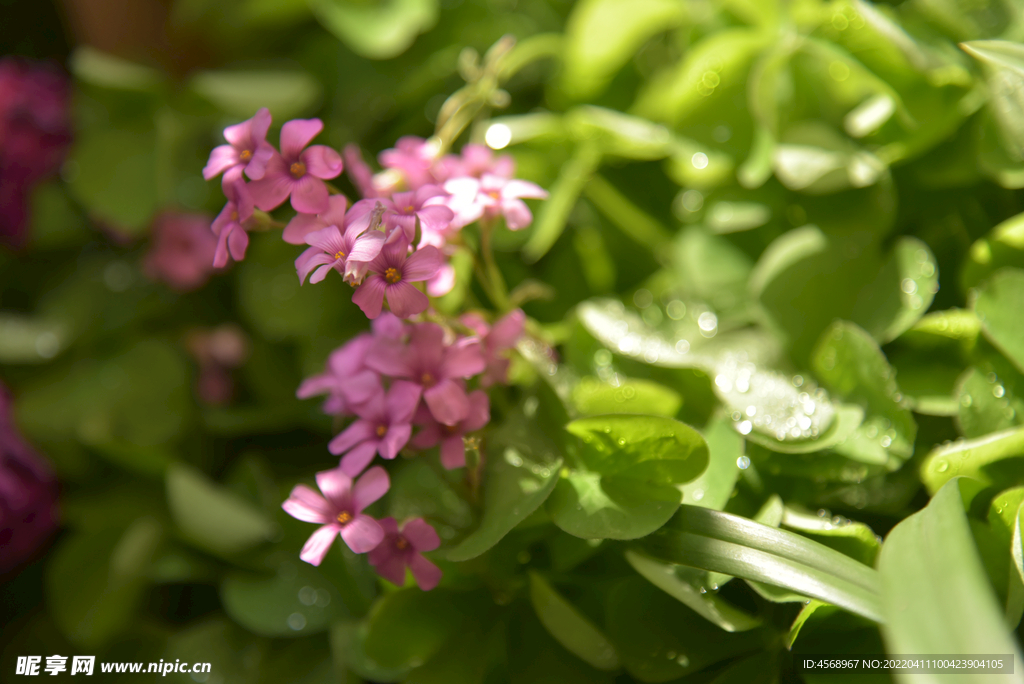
column 497, row 282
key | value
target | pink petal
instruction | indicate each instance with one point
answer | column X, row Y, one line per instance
column 356, row 460
column 308, row 506
column 238, row 242
column 360, row 387
column 222, row 157
column 442, row 282
column 402, row 400
column 426, row 573
column 404, row 300
column 321, row 161
column 309, row 260
column 367, row 246
column 453, row 452
column 421, row 535
column 371, row 486
column 517, row 214
column 362, row 534
column 336, row 486
column 220, row 254
column 521, row 188
column 463, row 359
column 321, row 273
column 435, row 218
column 388, row 355
column 269, row 192
column 357, row 432
column 391, row 568
column 327, row 239
column 423, row 264
column 318, row 384
column 300, row 226
column 405, row 223
column 318, row 544
column 309, row 195
column 390, row 326
column 462, row 186
column 261, row 156
column 395, row 438
column 506, row 332
column 426, row 341
column 479, row 411
column 370, row 296
column 430, row 435
column 447, row 401
column 358, row 171
column 296, row 134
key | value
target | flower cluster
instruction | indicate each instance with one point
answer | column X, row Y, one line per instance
column 401, row 232
column 392, row 379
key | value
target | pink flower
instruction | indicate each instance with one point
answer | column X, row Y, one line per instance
column 384, row 427
column 496, row 341
column 247, row 150
column 339, row 511
column 442, row 282
column 181, row 251
column 392, row 273
column 348, row 254
column 453, row 448
column 347, row 381
column 475, row 161
column 438, row 368
column 490, row 196
column 28, row 495
column 402, row 210
column 229, row 226
column 405, row 548
column 303, row 224
column 217, row 352
column 298, row 171
column 412, row 157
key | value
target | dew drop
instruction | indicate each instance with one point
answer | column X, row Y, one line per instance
column 745, row 427
column 698, row 494
column 742, row 462
column 683, row 661
column 942, row 466
column 297, row 621
column 998, row 391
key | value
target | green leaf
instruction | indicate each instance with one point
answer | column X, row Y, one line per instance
column 714, row 486
column 108, row 71
column 228, row 648
column 660, row 640
column 212, row 517
column 30, row 340
column 571, row 629
column 936, row 595
column 378, row 30
column 848, row 361
column 408, row 626
column 1003, row 246
column 618, row 134
column 287, row 94
column 554, row 212
column 690, row 587
column 520, row 473
column 997, row 304
column 296, row 601
column 652, row 449
column 987, row 403
column 602, row 35
column 462, row 659
column 590, row 506
column 626, row 216
column 710, row 268
column 1003, row 62
column 990, row 459
column 721, row 542
column 348, row 646
column 535, row 658
column 592, row 397
column 854, row 539
column 95, row 581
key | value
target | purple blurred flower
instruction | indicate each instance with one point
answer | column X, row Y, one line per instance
column 347, row 381
column 453, row 448
column 497, row 340
column 402, row 210
column 474, row 162
column 359, row 171
column 339, row 511
column 438, row 368
column 181, row 251
column 303, row 224
column 35, row 131
column 402, row 548
column 384, row 427
column 247, row 150
column 218, row 352
column 392, row 273
column 298, row 171
column 28, row 495
column 413, row 158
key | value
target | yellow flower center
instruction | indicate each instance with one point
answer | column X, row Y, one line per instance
column 494, row 194
column 392, row 275
column 409, row 209
column 234, row 216
column 401, row 543
column 427, row 379
column 339, row 255
column 245, row 155
column 344, row 517
column 382, row 430
column 298, row 170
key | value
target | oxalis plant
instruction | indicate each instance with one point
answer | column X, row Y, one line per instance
column 688, row 347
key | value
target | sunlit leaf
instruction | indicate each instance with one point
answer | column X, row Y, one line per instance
column 1003, row 62
column 997, row 304
column 378, row 30
column 569, row 627
column 296, row 601
column 992, row 458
